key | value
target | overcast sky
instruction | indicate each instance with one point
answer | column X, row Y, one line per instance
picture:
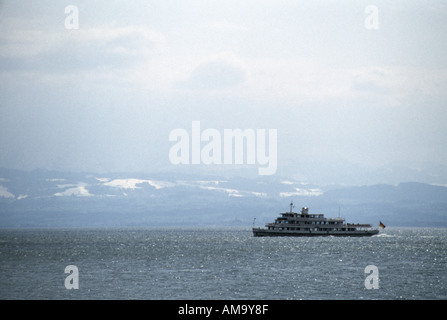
column 104, row 97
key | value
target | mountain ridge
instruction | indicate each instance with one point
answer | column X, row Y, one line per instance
column 44, row 198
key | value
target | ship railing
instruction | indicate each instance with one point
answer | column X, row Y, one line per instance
column 335, row 219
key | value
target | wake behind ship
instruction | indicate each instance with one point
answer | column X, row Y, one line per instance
column 303, row 224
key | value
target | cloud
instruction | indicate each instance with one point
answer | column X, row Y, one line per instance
column 295, row 79
column 215, row 74
column 74, row 51
column 372, row 79
column 224, row 26
column 396, row 85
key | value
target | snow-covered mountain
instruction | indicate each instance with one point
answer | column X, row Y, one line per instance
column 19, row 185
column 42, row 198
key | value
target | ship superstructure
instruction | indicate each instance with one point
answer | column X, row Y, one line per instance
column 306, row 225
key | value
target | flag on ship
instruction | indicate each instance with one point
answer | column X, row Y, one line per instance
column 381, row 225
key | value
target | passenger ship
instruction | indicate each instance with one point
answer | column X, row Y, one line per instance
column 292, row 224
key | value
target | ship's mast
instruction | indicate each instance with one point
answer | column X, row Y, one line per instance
column 291, row 206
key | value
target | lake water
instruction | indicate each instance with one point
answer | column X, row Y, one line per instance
column 220, row 263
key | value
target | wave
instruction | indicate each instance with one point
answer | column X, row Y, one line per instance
column 384, row 235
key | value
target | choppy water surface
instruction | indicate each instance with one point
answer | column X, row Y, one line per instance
column 212, row 263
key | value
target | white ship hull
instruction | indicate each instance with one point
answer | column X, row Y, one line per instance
column 260, row 232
